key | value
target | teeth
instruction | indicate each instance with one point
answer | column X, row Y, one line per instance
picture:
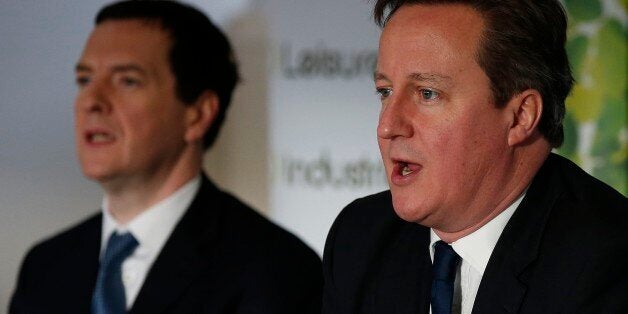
column 406, row 171
column 100, row 138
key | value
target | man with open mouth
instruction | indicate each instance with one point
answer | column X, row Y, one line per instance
column 480, row 217
column 154, row 82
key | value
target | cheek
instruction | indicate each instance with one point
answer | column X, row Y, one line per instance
column 449, row 145
column 136, row 116
column 441, row 138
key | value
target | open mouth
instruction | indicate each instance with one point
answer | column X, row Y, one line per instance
column 403, row 171
column 99, row 137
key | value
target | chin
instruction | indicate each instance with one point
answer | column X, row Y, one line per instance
column 95, row 173
column 410, row 211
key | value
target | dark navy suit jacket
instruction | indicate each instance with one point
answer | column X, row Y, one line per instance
column 564, row 250
column 222, row 257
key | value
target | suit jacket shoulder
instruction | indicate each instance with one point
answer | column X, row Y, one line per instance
column 564, row 249
column 277, row 272
column 43, row 281
column 374, row 262
column 65, row 241
column 355, row 238
column 223, row 257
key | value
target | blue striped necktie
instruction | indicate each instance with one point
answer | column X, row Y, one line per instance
column 109, row 297
column 444, row 274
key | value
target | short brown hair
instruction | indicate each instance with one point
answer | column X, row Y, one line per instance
column 201, row 57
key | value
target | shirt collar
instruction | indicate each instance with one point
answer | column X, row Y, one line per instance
column 476, row 248
column 153, row 226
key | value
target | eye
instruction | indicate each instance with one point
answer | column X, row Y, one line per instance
column 428, row 94
column 129, row 81
column 82, row 80
column 383, row 92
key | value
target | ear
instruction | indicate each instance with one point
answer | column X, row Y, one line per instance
column 527, row 108
column 200, row 115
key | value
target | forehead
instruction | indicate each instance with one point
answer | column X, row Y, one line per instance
column 443, row 31
column 457, row 20
column 128, row 40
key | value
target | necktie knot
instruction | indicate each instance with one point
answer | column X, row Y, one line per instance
column 444, row 271
column 445, row 262
column 119, row 247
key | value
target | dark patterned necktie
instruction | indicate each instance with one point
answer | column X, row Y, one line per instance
column 109, row 297
column 444, row 271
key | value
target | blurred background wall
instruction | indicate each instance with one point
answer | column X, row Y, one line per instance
column 299, row 141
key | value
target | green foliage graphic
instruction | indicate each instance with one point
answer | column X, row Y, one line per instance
column 596, row 136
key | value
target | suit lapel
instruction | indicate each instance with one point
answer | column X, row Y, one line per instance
column 184, row 255
column 504, row 282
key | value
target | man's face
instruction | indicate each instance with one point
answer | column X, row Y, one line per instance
column 129, row 121
column 442, row 140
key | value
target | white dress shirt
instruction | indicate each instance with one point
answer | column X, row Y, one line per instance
column 151, row 229
column 475, row 249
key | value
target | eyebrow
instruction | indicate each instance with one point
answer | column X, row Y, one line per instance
column 417, row 76
column 116, row 68
column 430, row 77
column 379, row 76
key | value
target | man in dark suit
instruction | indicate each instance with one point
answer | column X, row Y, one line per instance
column 155, row 79
column 481, row 217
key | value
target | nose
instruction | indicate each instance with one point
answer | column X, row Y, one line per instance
column 395, row 119
column 93, row 98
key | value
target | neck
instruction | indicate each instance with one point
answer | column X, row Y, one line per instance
column 523, row 166
column 132, row 197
